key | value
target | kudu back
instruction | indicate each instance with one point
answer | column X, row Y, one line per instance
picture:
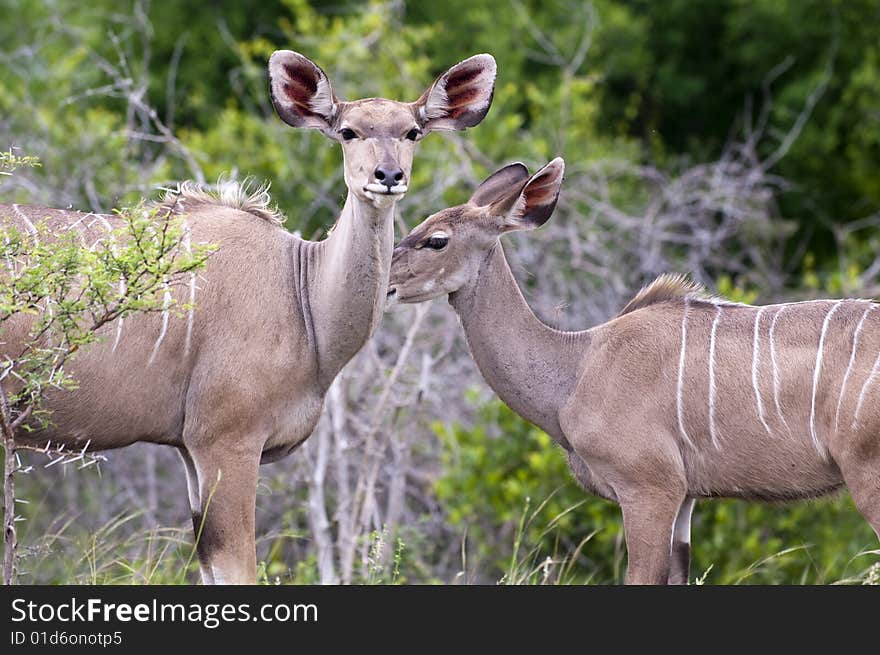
column 241, row 379
column 682, row 396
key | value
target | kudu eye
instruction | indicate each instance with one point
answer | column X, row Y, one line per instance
column 436, row 242
column 413, row 134
column 347, row 133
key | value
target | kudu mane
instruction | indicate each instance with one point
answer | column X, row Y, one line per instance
column 671, row 286
column 246, row 195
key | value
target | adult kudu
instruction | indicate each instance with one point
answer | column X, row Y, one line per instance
column 241, row 380
column 681, row 396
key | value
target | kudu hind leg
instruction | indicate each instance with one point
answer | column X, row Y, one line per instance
column 195, row 506
column 862, row 477
column 681, row 544
column 226, row 517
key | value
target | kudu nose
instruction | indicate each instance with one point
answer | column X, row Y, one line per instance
column 388, row 174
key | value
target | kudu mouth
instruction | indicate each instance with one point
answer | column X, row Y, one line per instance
column 383, row 190
column 390, row 298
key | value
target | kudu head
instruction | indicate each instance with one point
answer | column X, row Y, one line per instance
column 378, row 136
column 445, row 251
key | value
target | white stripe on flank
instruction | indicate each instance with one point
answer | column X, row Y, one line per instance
column 51, row 317
column 776, row 367
column 92, row 225
column 680, row 388
column 121, row 320
column 755, row 360
column 72, row 226
column 30, row 226
column 79, row 220
column 871, row 377
column 712, row 432
column 187, row 243
column 118, row 333
column 189, row 314
column 105, row 223
column 166, row 303
column 852, row 357
column 816, row 371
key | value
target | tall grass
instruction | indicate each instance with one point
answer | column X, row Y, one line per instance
column 118, row 553
column 533, row 565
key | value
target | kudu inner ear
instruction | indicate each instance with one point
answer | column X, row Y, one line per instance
column 301, row 92
column 537, row 200
column 461, row 97
column 502, row 183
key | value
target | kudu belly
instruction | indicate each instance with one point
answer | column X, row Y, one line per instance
column 126, row 389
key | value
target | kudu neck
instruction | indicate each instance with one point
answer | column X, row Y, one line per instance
column 347, row 282
column 531, row 366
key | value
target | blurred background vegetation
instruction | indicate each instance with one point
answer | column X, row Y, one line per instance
column 738, row 140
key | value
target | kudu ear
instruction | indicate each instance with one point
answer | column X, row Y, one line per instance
column 535, row 202
column 460, row 98
column 301, row 92
column 504, row 183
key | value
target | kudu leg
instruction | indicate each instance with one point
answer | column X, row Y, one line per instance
column 195, row 505
column 863, row 480
column 224, row 524
column 681, row 544
column 648, row 520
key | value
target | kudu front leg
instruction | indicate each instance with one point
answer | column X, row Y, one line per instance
column 224, row 523
column 648, row 520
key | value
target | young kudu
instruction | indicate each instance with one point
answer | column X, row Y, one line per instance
column 241, row 380
column 681, row 396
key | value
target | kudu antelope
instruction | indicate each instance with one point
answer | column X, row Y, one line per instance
column 681, row 396
column 241, row 380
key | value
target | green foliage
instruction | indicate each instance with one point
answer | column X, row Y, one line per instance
column 497, row 471
column 727, row 289
column 657, row 80
column 382, row 569
column 9, row 161
column 678, row 74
